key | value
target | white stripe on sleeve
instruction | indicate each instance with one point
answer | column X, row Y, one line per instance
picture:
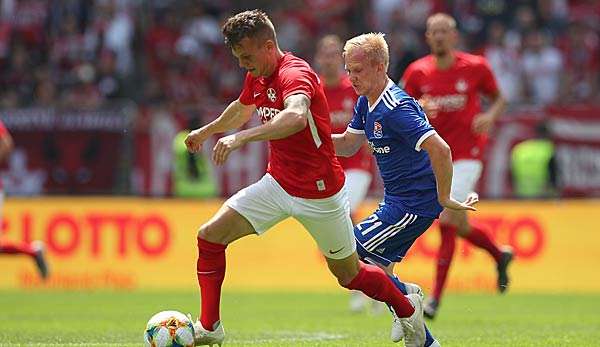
column 423, row 138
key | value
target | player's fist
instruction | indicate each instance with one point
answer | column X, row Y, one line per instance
column 482, row 123
column 194, row 140
column 225, row 146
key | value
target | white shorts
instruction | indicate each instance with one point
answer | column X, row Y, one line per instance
column 265, row 204
column 357, row 185
column 466, row 173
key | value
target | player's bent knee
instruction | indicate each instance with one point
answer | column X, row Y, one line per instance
column 204, row 232
column 225, row 227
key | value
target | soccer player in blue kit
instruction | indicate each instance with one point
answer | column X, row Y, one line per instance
column 416, row 182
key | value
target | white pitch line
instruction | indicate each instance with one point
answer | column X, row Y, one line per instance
column 284, row 336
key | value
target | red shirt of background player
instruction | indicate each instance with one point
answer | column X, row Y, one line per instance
column 3, row 132
column 304, row 164
column 456, row 91
column 341, row 100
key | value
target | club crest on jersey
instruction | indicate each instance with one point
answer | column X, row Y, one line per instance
column 377, row 130
column 271, row 94
column 461, row 86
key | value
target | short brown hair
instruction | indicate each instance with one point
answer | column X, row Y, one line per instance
column 251, row 24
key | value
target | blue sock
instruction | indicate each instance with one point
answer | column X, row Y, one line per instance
column 428, row 337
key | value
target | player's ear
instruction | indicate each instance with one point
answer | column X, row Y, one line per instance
column 269, row 45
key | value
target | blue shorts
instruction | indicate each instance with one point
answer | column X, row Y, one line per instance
column 386, row 242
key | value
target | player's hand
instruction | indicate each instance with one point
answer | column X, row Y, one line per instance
column 224, row 147
column 452, row 204
column 482, row 123
column 195, row 139
column 430, row 107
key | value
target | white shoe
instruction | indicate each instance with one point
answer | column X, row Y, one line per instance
column 203, row 337
column 397, row 333
column 414, row 326
column 412, row 288
column 435, row 343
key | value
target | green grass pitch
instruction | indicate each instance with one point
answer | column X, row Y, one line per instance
column 40, row 318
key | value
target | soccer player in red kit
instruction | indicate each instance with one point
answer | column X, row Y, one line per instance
column 34, row 249
column 304, row 180
column 449, row 83
column 341, row 98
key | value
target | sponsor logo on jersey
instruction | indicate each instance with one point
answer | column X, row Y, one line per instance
column 271, row 94
column 377, row 130
column 451, row 102
column 461, row 86
column 379, row 150
column 267, row 113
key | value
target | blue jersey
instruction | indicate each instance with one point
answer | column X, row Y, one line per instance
column 396, row 126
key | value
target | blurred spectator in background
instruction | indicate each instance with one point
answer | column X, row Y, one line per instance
column 503, row 57
column 581, row 50
column 192, row 172
column 542, row 66
column 533, row 166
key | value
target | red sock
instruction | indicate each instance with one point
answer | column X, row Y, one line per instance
column 373, row 281
column 211, row 272
column 445, row 254
column 481, row 239
column 13, row 248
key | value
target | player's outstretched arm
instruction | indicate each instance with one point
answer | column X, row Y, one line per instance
column 347, row 144
column 441, row 162
column 292, row 119
column 233, row 117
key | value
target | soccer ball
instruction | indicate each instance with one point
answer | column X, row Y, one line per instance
column 169, row 329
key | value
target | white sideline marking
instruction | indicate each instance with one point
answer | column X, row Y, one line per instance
column 282, row 336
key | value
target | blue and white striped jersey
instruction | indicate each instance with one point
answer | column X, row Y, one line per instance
column 396, row 126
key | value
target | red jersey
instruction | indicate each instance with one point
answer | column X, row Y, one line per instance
column 456, row 91
column 341, row 100
column 304, row 164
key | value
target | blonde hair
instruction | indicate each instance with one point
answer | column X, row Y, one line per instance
column 373, row 45
column 441, row 17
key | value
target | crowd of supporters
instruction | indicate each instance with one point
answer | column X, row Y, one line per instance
column 80, row 53
column 167, row 58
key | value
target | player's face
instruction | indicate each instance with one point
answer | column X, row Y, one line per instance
column 329, row 58
column 441, row 37
column 252, row 55
column 362, row 73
